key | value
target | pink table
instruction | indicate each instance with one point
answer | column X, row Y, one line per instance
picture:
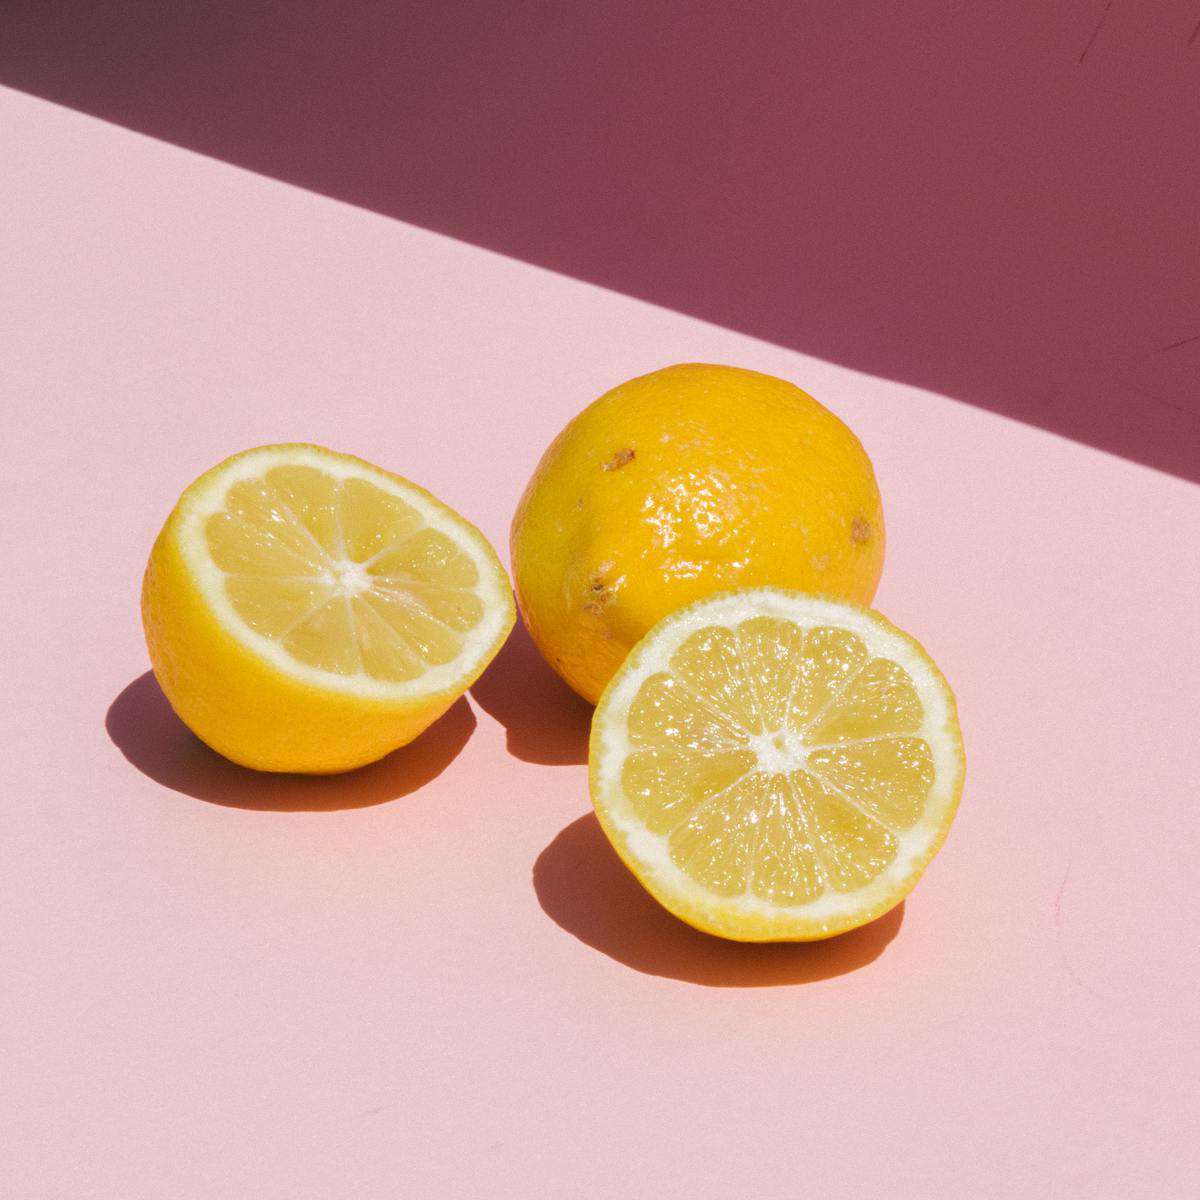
column 432, row 979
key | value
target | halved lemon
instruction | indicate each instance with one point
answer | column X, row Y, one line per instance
column 307, row 611
column 775, row 766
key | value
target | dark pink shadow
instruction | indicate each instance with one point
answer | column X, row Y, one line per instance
column 144, row 728
column 585, row 888
column 996, row 200
column 544, row 720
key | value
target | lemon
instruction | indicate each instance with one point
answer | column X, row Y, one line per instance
column 306, row 611
column 678, row 484
column 776, row 766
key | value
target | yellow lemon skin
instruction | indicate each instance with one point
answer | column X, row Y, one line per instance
column 691, row 480
column 245, row 707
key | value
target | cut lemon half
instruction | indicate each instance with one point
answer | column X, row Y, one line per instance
column 775, row 766
column 307, row 611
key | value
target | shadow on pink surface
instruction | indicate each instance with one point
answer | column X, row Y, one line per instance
column 545, row 722
column 147, row 732
column 992, row 201
column 583, row 886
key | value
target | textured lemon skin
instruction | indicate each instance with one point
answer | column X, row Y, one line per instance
column 708, row 915
column 688, row 481
column 246, row 708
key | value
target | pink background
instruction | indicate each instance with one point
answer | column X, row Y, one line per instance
column 432, row 978
column 992, row 199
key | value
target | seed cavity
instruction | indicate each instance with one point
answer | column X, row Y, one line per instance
column 347, row 578
column 779, row 752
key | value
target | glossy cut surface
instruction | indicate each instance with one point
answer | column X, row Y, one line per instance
column 775, row 766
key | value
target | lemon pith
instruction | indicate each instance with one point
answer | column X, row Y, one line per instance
column 678, row 484
column 307, row 611
column 776, row 766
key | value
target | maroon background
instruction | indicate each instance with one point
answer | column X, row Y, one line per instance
column 997, row 201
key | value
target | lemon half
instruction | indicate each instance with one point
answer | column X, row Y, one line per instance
column 776, row 766
column 307, row 611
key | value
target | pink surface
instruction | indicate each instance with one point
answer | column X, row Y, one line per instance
column 431, row 978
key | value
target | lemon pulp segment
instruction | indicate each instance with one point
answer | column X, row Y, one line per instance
column 341, row 575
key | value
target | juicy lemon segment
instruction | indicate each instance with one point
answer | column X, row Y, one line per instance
column 306, row 611
column 776, row 766
column 342, row 575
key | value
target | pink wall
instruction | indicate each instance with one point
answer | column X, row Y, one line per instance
column 994, row 201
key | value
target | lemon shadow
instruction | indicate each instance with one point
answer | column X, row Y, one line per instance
column 584, row 887
column 545, row 722
column 142, row 725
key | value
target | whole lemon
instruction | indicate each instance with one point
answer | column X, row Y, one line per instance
column 688, row 481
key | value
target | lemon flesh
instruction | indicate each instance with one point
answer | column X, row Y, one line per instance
column 306, row 611
column 776, row 766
